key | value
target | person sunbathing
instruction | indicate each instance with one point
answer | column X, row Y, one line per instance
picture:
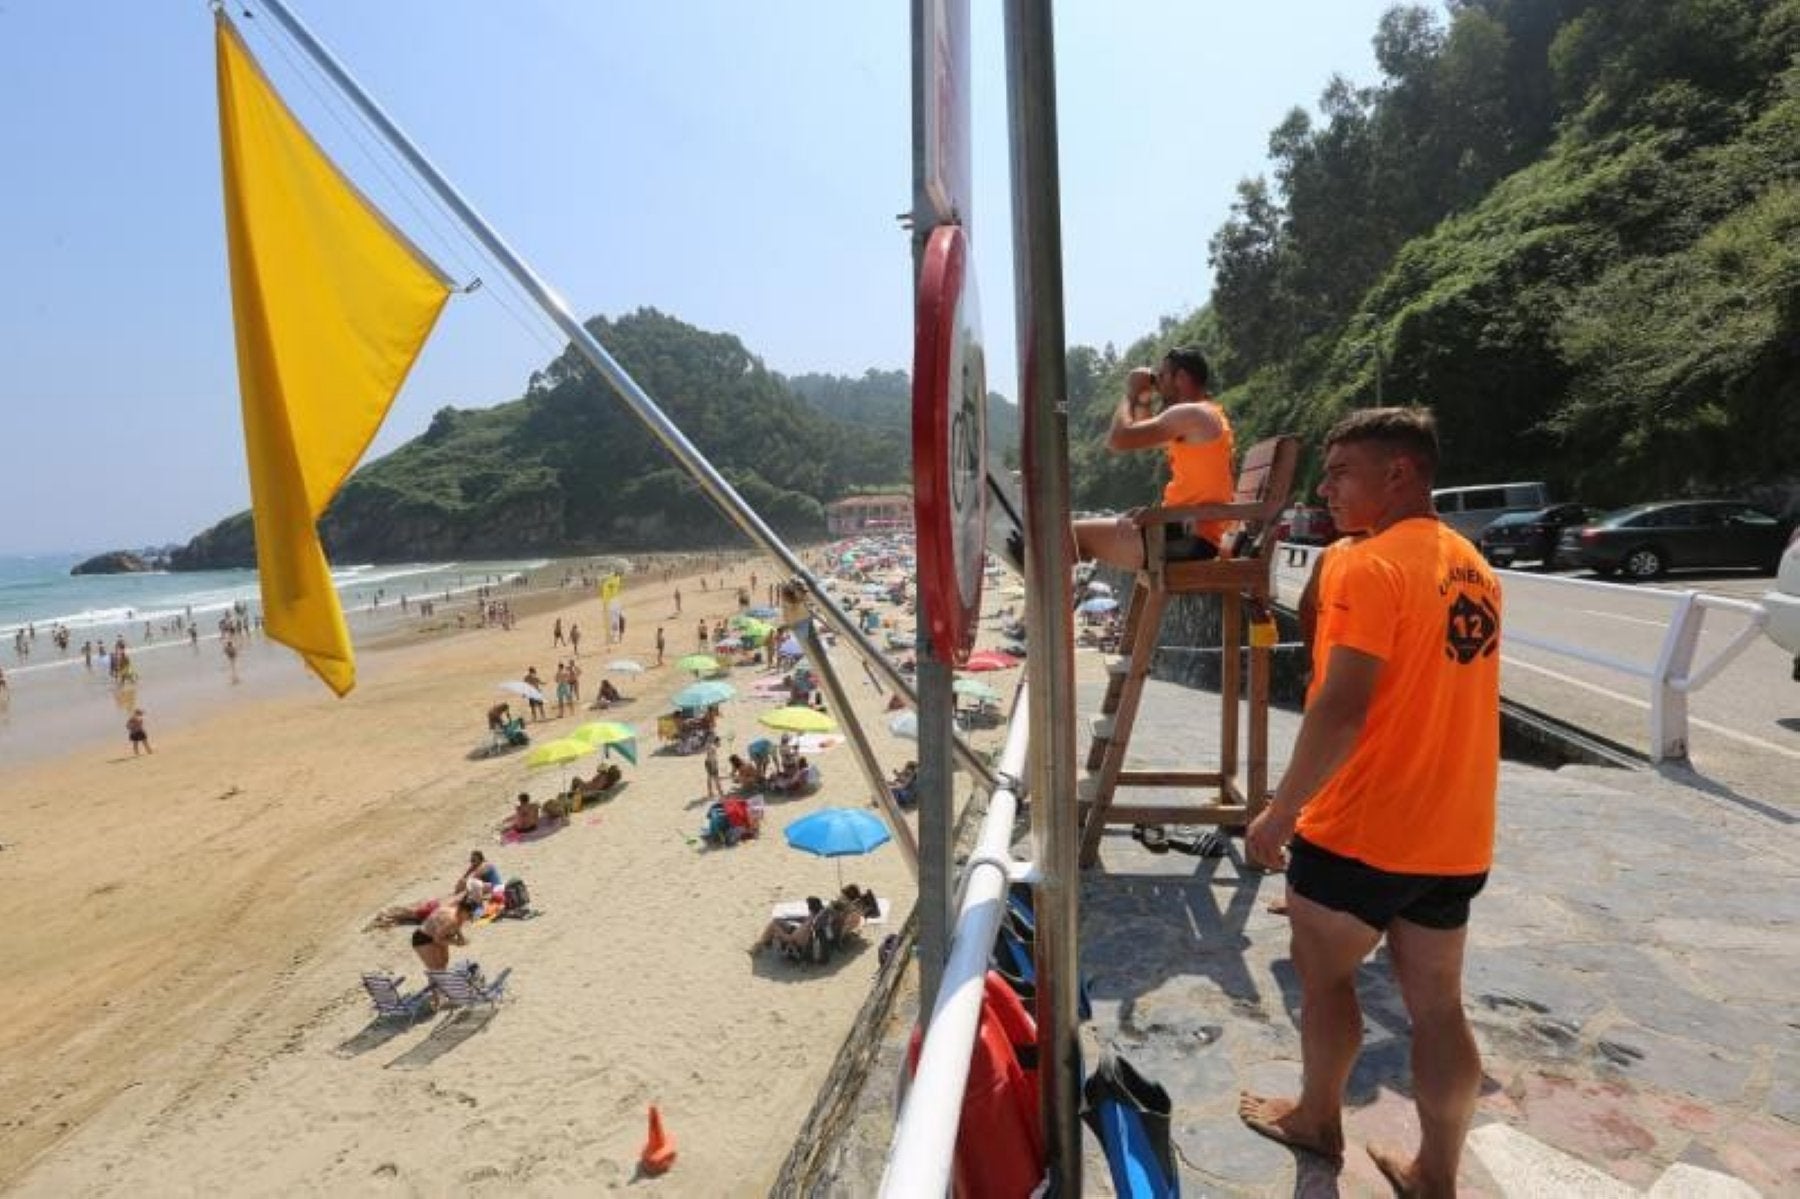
column 790, row 935
column 609, row 694
column 604, row 780
column 480, row 871
column 525, row 816
column 744, row 775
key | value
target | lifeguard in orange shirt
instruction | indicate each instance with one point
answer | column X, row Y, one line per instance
column 1385, row 817
column 1192, row 430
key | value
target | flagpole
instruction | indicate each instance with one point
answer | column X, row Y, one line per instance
column 635, row 397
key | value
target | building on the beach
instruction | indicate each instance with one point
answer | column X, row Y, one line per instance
column 886, row 512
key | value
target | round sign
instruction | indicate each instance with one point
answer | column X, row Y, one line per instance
column 949, row 444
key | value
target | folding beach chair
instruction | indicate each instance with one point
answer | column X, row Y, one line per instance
column 462, row 986
column 390, row 1004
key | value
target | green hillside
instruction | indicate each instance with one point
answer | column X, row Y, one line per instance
column 1571, row 227
column 567, row 469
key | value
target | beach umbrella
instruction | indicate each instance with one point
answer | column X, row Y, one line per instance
column 523, row 690
column 699, row 664
column 602, row 732
column 624, row 666
column 837, row 833
column 763, row 613
column 989, row 659
column 976, row 689
column 789, row 648
column 1100, row 603
column 1099, row 588
column 799, row 720
column 703, row 695
column 557, row 753
column 905, row 724
column 729, row 643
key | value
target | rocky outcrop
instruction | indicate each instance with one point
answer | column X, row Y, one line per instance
column 118, row 562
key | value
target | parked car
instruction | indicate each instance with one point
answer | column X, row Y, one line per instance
column 1469, row 510
column 1783, row 603
column 1304, row 525
column 1530, row 536
column 1645, row 540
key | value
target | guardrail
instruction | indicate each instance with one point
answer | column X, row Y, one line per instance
column 1671, row 678
column 924, row 1146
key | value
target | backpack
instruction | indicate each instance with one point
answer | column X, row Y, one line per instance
column 516, row 896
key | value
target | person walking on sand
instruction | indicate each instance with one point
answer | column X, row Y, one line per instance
column 231, row 655
column 563, row 694
column 659, row 645
column 575, row 641
column 678, row 601
column 536, row 683
column 134, row 732
column 556, row 634
column 1385, row 817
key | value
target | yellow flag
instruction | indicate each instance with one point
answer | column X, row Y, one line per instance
column 332, row 305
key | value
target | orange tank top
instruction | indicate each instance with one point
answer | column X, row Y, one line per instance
column 1201, row 473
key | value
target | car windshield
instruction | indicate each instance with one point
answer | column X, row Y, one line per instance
column 1513, row 518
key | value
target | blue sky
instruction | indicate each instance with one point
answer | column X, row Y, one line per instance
column 737, row 165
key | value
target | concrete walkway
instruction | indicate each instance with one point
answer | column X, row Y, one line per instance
column 1633, row 977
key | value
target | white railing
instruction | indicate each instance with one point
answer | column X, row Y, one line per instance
column 1671, row 678
column 924, row 1147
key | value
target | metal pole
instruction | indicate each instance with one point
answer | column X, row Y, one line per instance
column 639, row 401
column 1043, row 384
column 859, row 742
column 936, row 778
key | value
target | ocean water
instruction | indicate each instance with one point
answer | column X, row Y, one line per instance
column 38, row 590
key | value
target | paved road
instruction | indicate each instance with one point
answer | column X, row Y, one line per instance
column 1744, row 726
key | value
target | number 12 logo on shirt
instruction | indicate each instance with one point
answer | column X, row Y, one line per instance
column 1473, row 630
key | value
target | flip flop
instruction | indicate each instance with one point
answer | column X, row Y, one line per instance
column 1151, row 836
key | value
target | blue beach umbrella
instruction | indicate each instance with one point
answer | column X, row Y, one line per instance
column 837, row 833
column 703, row 694
column 763, row 613
column 1100, row 603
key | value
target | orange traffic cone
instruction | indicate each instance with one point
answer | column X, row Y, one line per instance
column 659, row 1150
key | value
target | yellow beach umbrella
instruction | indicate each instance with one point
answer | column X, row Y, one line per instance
column 798, row 720
column 602, row 732
column 558, row 752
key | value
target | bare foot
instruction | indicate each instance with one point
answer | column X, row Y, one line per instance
column 1274, row 1118
column 1277, row 906
column 1402, row 1172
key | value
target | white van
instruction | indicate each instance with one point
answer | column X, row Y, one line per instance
column 1469, row 510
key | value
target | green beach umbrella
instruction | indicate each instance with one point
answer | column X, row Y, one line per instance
column 699, row 664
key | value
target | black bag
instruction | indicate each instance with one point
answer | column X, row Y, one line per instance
column 516, row 896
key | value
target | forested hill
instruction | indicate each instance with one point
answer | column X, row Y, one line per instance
column 567, row 469
column 1571, row 227
column 883, row 400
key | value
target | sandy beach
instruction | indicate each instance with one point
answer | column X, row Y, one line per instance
column 185, row 1011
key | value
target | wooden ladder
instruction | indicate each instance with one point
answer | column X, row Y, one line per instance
column 1239, row 583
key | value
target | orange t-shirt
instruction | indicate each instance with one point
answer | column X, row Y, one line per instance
column 1416, row 794
column 1201, row 473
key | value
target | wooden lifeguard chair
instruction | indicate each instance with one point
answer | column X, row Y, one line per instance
column 1242, row 579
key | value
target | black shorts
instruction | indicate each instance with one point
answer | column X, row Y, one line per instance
column 420, row 938
column 1180, row 545
column 1378, row 897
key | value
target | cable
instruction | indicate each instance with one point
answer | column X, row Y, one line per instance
column 543, row 331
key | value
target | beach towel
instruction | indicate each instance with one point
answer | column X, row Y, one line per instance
column 546, row 827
